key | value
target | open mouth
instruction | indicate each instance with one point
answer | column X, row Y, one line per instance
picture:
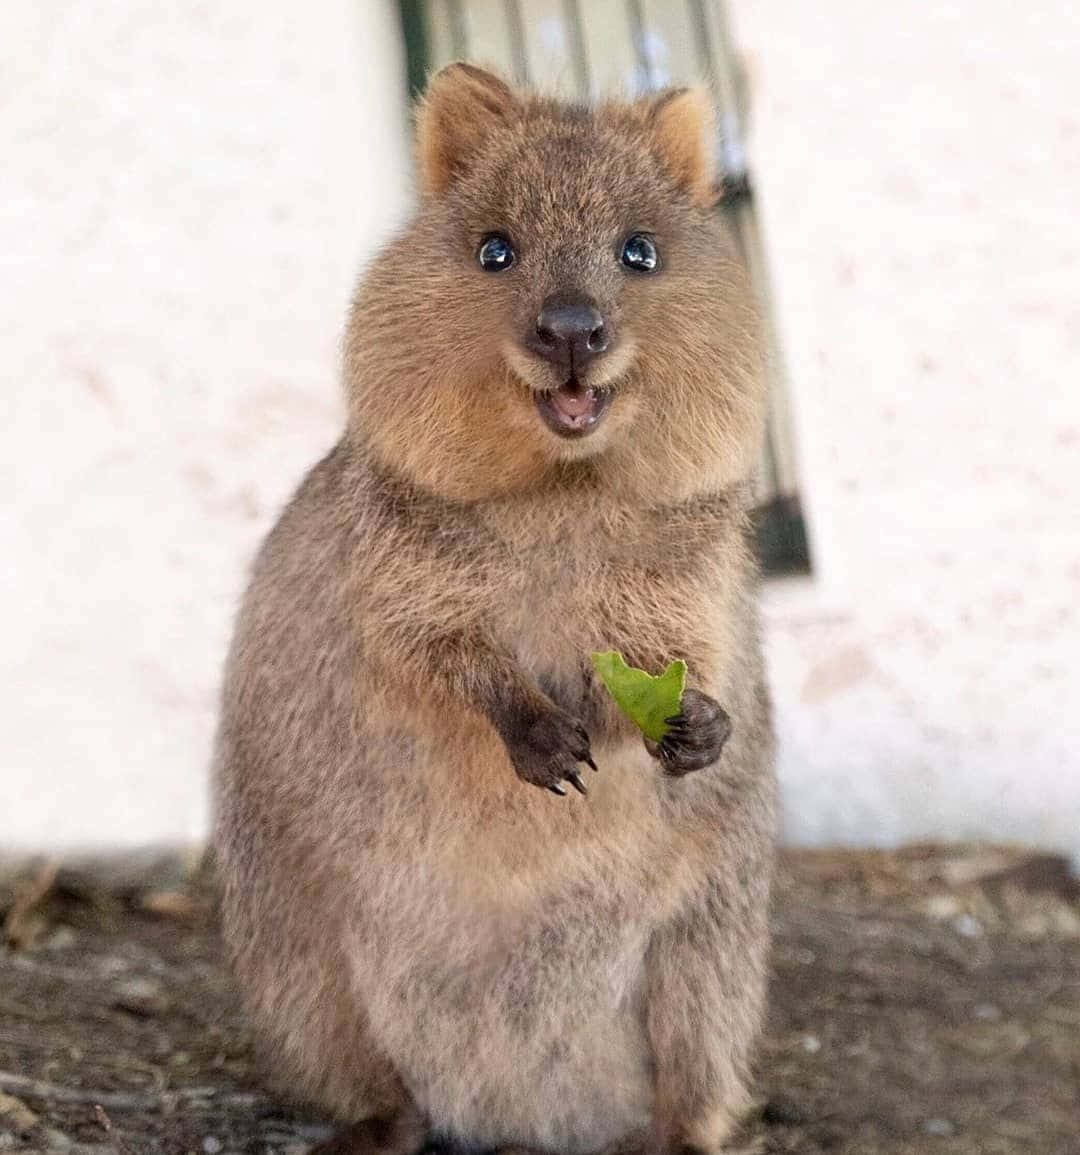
column 573, row 410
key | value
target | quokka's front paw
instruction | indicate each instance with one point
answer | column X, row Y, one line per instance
column 695, row 737
column 546, row 749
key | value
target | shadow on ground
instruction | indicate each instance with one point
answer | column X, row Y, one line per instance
column 924, row 1002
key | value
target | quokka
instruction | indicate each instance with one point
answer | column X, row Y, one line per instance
column 555, row 399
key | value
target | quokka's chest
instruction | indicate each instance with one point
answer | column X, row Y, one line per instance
column 564, row 607
column 551, row 622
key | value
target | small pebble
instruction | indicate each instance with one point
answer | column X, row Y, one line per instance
column 987, row 1012
column 62, row 938
column 111, row 965
column 938, row 1127
column 967, row 925
column 141, row 996
column 811, row 1044
column 941, row 906
column 212, row 1145
column 170, row 904
column 15, row 1113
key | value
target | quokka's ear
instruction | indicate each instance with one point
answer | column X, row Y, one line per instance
column 461, row 107
column 682, row 125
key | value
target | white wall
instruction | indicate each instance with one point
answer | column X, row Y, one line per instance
column 919, row 176
column 186, row 192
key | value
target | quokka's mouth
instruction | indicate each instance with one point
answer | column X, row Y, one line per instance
column 574, row 409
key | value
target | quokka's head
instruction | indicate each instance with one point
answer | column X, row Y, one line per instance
column 566, row 305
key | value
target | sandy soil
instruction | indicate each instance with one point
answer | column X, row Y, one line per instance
column 924, row 1002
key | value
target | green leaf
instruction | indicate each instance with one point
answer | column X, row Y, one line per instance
column 647, row 700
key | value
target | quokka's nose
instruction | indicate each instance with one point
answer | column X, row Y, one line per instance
column 569, row 333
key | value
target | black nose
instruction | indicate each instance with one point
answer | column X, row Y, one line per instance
column 569, row 333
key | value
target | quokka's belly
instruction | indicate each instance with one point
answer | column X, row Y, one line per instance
column 540, row 1045
column 515, row 1021
column 575, row 1083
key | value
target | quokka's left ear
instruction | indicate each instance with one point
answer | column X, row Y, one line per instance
column 682, row 126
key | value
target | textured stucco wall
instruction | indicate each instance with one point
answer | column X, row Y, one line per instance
column 187, row 191
column 919, row 172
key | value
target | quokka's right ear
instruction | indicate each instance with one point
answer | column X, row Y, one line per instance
column 461, row 107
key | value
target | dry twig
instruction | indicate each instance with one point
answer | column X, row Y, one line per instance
column 190, row 1098
column 21, row 926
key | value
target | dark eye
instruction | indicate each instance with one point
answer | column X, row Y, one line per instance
column 496, row 254
column 639, row 253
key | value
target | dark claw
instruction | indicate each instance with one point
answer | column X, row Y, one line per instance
column 589, row 762
column 556, row 788
column 575, row 780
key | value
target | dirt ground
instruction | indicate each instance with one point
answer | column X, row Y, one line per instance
column 924, row 1001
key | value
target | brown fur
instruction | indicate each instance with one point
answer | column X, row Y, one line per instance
column 418, row 932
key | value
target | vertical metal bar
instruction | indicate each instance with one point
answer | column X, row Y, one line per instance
column 417, row 51
column 779, row 414
column 777, row 464
column 732, row 76
column 459, row 38
column 518, row 47
column 723, row 58
column 776, row 486
column 572, row 16
column 701, row 36
column 641, row 49
column 717, row 66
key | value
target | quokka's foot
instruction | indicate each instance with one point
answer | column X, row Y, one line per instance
column 636, row 1143
column 403, row 1133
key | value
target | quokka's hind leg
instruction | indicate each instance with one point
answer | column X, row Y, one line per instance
column 403, row 1131
column 704, row 1003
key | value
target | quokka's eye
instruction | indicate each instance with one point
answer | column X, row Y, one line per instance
column 639, row 253
column 496, row 254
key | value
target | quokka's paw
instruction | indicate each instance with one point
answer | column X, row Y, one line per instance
column 402, row 1133
column 695, row 737
column 546, row 749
